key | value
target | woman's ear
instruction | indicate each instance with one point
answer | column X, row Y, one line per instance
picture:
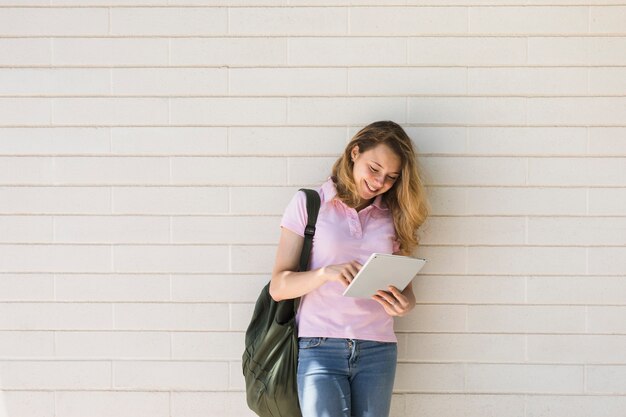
column 354, row 153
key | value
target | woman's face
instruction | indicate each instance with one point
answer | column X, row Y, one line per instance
column 375, row 170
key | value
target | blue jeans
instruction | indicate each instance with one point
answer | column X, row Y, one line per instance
column 345, row 378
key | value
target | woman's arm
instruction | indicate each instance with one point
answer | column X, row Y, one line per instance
column 286, row 283
column 396, row 303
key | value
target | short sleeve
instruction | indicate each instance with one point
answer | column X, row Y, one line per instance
column 295, row 216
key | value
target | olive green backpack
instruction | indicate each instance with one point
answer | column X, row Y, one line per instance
column 270, row 361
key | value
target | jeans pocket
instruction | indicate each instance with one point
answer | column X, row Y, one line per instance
column 309, row 342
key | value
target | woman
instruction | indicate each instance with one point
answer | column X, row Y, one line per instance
column 374, row 202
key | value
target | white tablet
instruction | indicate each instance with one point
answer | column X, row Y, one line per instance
column 382, row 270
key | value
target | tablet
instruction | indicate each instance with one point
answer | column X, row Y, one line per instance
column 382, row 270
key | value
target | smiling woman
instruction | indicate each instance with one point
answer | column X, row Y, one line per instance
column 373, row 202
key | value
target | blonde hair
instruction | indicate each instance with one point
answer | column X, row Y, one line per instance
column 406, row 199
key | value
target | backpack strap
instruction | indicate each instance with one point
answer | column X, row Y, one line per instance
column 312, row 208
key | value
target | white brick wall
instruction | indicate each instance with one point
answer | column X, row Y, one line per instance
column 149, row 147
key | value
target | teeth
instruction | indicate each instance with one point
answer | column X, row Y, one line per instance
column 369, row 187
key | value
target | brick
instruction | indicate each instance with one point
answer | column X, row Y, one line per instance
column 154, row 21
column 467, row 110
column 607, row 141
column 577, row 231
column 287, row 81
column 474, row 230
column 526, row 201
column 41, row 21
column 429, row 377
column 57, row 81
column 576, row 349
column 260, row 200
column 169, row 81
column 111, row 287
column 447, row 200
column 229, row 52
column 49, row 200
column 607, row 201
column 607, row 81
column 236, row 379
column 434, row 318
column 110, row 111
column 528, row 20
column 26, row 287
column 25, row 111
column 352, row 51
column 466, row 51
column 279, row 141
column 527, row 81
column 552, row 379
column 219, row 171
column 25, row 51
column 56, row 316
column 170, row 258
column 109, row 2
column 575, row 406
column 607, row 19
column 240, row 315
column 606, row 379
column 466, row 347
column 26, row 170
column 205, row 345
column 309, row 171
column 233, row 288
column 469, row 289
column 111, row 229
column 526, row 319
column 170, row 200
column 112, row 345
column 577, row 110
column 228, row 111
column 23, row 344
column 521, row 260
column 226, row 230
column 442, row 259
column 46, row 141
column 408, row 21
column 111, row 170
column 450, row 170
column 25, row 229
column 438, row 140
column 172, row 375
column 580, row 290
column 110, row 51
column 407, row 81
column 560, row 51
column 199, row 404
column 252, row 258
column 55, row 258
column 318, row 21
column 55, row 375
column 517, row 141
column 607, row 260
column 171, row 316
column 28, row 403
column 346, row 110
column 466, row 405
column 169, row 140
column 609, row 319
column 112, row 404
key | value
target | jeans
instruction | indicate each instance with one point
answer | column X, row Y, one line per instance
column 345, row 378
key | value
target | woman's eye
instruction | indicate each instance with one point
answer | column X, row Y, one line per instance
column 373, row 170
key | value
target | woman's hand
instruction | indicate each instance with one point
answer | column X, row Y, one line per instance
column 343, row 273
column 394, row 302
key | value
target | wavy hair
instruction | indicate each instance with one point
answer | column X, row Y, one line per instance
column 406, row 199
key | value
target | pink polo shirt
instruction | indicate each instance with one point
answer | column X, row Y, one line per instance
column 342, row 235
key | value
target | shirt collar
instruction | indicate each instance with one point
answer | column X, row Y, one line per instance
column 329, row 191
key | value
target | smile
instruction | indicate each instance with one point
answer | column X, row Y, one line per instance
column 370, row 188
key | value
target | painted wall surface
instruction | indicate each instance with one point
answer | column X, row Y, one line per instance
column 149, row 147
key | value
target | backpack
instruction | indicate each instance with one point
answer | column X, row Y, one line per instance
column 270, row 360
